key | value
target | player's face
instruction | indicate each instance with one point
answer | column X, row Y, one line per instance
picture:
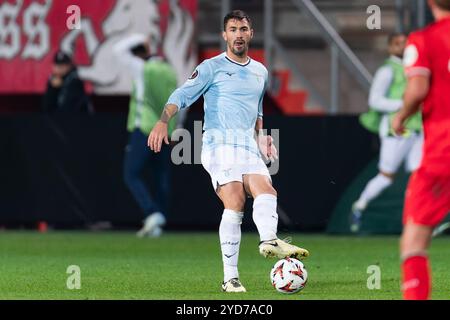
column 397, row 46
column 238, row 34
column 60, row 70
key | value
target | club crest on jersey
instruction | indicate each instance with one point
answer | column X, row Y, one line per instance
column 411, row 55
column 193, row 75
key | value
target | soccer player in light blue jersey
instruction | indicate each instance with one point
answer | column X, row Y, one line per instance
column 233, row 87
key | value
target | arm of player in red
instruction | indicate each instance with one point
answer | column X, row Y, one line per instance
column 417, row 69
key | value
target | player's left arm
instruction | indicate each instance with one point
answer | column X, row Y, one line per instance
column 265, row 142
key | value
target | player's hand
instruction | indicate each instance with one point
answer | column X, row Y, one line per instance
column 157, row 136
column 398, row 124
column 267, row 147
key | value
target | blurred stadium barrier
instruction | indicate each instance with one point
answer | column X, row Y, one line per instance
column 67, row 171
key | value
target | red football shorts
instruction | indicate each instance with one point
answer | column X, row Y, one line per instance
column 427, row 199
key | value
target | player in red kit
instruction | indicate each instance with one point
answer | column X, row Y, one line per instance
column 427, row 199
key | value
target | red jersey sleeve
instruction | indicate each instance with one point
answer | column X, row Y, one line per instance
column 415, row 59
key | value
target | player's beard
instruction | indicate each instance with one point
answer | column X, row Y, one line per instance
column 239, row 52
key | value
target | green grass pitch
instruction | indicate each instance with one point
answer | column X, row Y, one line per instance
column 117, row 265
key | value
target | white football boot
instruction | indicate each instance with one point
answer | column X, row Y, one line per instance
column 152, row 225
column 233, row 285
column 440, row 229
column 280, row 249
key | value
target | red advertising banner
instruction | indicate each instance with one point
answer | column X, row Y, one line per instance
column 31, row 31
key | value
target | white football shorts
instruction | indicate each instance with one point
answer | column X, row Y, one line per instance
column 227, row 163
column 396, row 150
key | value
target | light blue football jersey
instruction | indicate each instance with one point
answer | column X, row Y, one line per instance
column 233, row 95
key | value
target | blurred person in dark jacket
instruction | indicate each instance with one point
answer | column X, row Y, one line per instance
column 65, row 91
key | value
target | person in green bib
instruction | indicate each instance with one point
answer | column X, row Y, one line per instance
column 385, row 100
column 153, row 80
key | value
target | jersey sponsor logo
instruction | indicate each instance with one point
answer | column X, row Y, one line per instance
column 194, row 75
column 411, row 56
column 229, row 73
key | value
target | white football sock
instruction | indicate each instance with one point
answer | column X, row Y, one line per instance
column 230, row 239
column 372, row 190
column 265, row 216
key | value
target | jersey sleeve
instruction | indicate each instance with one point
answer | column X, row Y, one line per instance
column 261, row 98
column 378, row 99
column 415, row 59
column 193, row 88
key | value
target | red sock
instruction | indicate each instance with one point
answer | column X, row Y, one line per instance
column 416, row 278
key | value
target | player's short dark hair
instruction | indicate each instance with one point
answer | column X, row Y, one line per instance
column 394, row 35
column 443, row 4
column 238, row 15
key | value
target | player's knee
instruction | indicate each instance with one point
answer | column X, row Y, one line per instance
column 409, row 249
column 413, row 243
column 271, row 190
column 266, row 189
column 259, row 186
column 235, row 204
column 233, row 198
column 238, row 201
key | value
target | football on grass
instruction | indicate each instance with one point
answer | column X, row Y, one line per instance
column 288, row 275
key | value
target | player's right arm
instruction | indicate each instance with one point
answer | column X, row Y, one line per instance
column 181, row 98
column 418, row 71
column 159, row 132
